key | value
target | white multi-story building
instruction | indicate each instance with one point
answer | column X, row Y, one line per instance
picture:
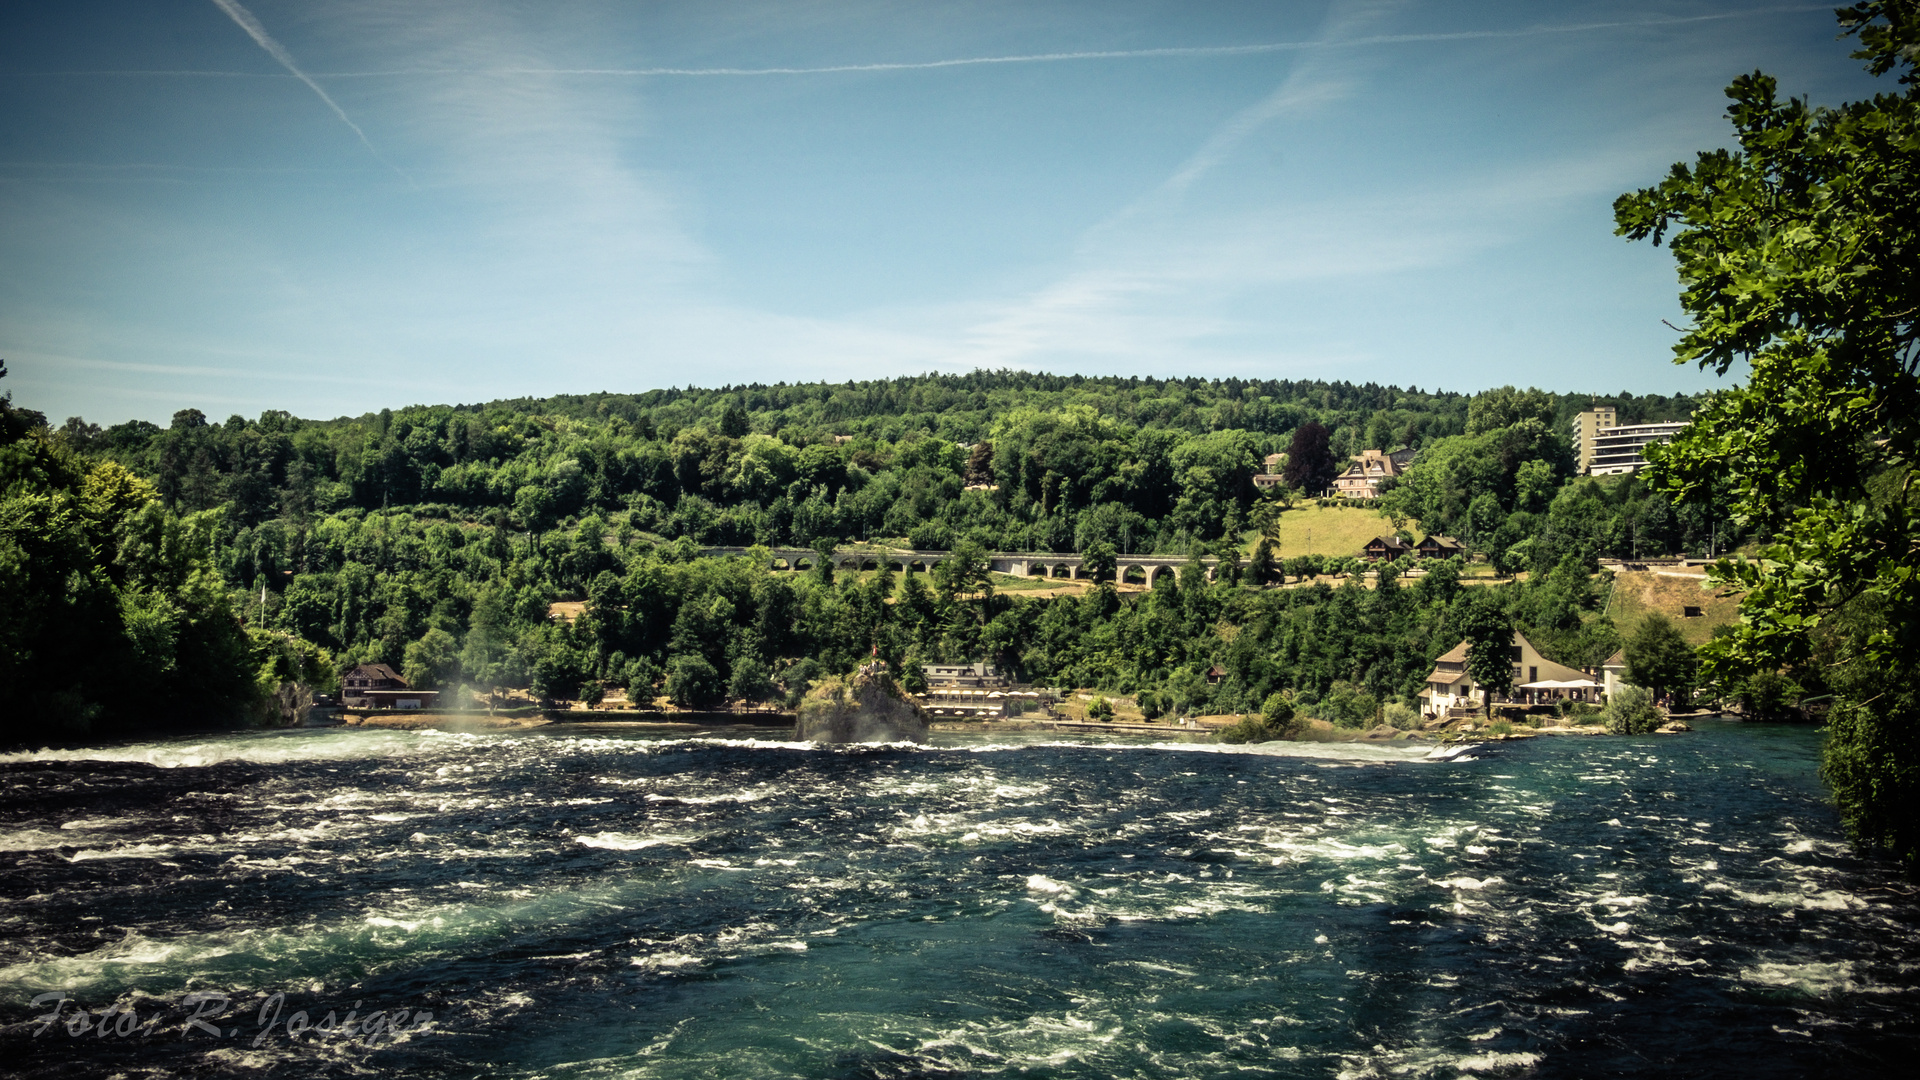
column 1608, row 447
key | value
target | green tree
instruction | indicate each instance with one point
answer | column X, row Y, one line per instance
column 432, row 660
column 1248, row 729
column 1265, row 516
column 1796, row 256
column 823, row 550
column 692, row 682
column 962, row 572
column 1098, row 561
column 1504, row 407
column 1659, row 658
column 1489, row 635
column 750, row 680
column 1769, row 696
column 1260, row 567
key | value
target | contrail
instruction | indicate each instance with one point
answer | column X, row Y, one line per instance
column 258, row 33
column 1104, row 54
column 253, row 28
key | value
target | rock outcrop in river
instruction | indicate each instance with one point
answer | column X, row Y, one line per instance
column 868, row 707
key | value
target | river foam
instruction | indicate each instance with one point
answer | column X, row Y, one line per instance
column 637, row 905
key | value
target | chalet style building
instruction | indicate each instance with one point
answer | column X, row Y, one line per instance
column 1385, row 548
column 377, row 686
column 1440, row 547
column 1536, row 680
column 1369, row 470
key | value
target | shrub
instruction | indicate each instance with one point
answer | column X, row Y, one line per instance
column 1250, row 729
column 1347, row 706
column 1766, row 696
column 1632, row 712
column 1278, row 708
column 1152, row 705
column 1577, row 710
column 1501, row 727
column 1402, row 717
column 1101, row 709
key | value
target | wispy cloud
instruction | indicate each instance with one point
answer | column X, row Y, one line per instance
column 1308, row 85
column 1162, row 278
column 252, row 26
column 241, row 374
column 1100, row 307
column 245, row 20
column 1330, row 43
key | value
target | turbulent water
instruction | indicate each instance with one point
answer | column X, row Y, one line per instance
column 590, row 903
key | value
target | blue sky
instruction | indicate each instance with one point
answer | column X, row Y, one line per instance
column 333, row 206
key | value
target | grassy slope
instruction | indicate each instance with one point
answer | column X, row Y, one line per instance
column 1336, row 530
column 1638, row 592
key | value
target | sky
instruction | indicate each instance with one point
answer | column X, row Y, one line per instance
column 336, row 206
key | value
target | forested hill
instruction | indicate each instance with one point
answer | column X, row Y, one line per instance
column 1075, row 433
column 433, row 538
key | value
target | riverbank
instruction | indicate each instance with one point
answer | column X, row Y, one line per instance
column 526, row 720
column 1201, row 728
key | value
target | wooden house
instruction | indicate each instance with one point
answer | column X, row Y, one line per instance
column 1440, row 547
column 377, row 686
column 1382, row 548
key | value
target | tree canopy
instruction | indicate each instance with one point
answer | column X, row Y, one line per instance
column 1797, row 258
column 1310, row 465
column 438, row 539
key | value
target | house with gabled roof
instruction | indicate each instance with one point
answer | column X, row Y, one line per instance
column 1536, row 680
column 1382, row 548
column 1613, row 672
column 1269, row 476
column 1439, row 547
column 1370, row 469
column 377, row 686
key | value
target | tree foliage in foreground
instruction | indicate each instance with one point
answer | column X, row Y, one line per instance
column 1799, row 254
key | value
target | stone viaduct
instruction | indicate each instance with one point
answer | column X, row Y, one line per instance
column 1129, row 569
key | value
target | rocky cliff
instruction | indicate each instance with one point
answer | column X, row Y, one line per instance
column 869, row 707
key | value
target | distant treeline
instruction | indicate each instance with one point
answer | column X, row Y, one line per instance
column 433, row 538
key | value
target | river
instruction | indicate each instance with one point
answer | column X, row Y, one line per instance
column 601, row 903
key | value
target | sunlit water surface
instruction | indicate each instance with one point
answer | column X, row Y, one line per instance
column 604, row 903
